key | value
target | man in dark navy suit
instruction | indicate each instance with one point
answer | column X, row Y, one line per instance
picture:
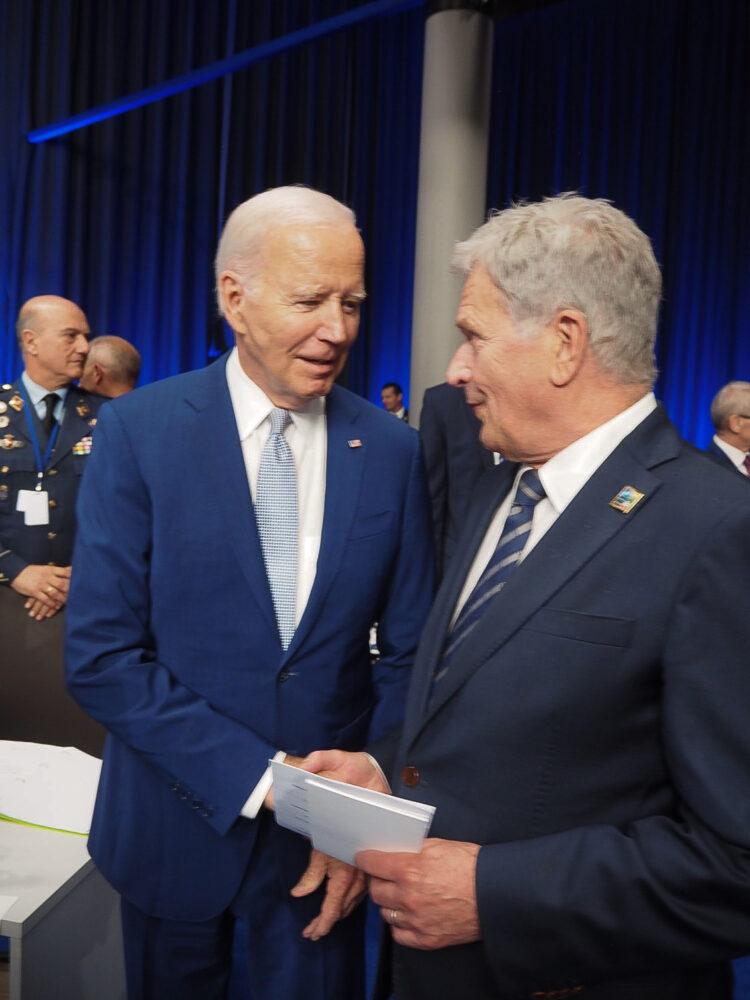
column 455, row 459
column 730, row 413
column 242, row 527
column 578, row 709
column 46, row 435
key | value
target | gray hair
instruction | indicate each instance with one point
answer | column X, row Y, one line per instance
column 570, row 251
column 241, row 243
column 733, row 398
column 117, row 355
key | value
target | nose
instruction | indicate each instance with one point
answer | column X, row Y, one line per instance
column 82, row 345
column 334, row 327
column 459, row 369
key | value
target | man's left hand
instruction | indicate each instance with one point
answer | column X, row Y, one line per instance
column 429, row 899
column 346, row 887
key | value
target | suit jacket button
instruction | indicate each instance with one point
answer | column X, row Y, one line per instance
column 410, row 776
column 284, row 676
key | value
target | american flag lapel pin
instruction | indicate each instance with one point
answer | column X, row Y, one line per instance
column 354, row 443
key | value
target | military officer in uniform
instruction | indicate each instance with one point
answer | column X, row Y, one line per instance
column 46, row 426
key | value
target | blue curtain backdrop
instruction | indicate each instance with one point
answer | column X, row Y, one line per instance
column 643, row 103
column 123, row 216
column 646, row 104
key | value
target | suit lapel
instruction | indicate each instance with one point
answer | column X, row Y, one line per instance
column 344, row 468
column 211, row 429
column 582, row 530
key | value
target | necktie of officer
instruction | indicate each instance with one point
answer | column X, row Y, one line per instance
column 48, row 420
column 503, row 561
column 746, row 463
column 276, row 515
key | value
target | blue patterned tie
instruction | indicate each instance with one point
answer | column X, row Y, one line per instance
column 503, row 561
column 276, row 514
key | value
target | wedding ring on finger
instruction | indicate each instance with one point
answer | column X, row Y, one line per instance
column 393, row 918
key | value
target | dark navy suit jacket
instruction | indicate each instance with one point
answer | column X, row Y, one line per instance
column 592, row 734
column 22, row 544
column 722, row 458
column 172, row 641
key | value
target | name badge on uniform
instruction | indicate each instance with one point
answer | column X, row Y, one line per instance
column 34, row 505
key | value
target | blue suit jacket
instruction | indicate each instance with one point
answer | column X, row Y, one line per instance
column 455, row 460
column 172, row 641
column 592, row 734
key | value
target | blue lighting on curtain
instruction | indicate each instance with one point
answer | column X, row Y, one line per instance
column 218, row 69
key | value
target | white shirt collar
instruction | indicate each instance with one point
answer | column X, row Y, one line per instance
column 565, row 474
column 735, row 455
column 252, row 406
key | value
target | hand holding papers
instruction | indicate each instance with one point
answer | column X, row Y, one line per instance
column 341, row 819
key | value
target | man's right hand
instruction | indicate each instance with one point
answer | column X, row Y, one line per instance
column 46, row 588
column 353, row 768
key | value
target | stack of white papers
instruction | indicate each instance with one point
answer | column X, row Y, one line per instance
column 342, row 819
column 48, row 786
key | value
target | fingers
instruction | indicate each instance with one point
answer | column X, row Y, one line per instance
column 312, row 876
column 344, row 890
column 39, row 611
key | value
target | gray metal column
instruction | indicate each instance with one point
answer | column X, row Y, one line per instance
column 452, row 180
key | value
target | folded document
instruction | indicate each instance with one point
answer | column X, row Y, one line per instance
column 341, row 819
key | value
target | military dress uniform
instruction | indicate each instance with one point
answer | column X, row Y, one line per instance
column 34, row 705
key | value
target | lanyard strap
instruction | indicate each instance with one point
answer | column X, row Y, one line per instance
column 41, row 463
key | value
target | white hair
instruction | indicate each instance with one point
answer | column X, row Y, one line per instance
column 570, row 251
column 241, row 243
column 733, row 398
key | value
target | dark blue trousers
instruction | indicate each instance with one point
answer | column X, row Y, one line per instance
column 183, row 960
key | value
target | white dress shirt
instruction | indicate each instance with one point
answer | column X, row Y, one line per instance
column 562, row 476
column 735, row 455
column 306, row 436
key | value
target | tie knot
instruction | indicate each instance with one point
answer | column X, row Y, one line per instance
column 49, row 401
column 530, row 490
column 279, row 420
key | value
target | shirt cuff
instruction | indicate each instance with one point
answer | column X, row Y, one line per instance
column 252, row 807
column 379, row 769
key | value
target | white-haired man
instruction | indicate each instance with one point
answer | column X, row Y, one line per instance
column 111, row 368
column 578, row 707
column 241, row 531
column 730, row 414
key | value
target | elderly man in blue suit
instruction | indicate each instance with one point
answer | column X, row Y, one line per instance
column 578, row 708
column 730, row 414
column 241, row 529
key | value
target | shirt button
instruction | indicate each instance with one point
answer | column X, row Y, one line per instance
column 410, row 776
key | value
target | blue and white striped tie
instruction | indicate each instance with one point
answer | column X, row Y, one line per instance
column 276, row 514
column 503, row 561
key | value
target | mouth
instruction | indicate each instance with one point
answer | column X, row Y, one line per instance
column 323, row 366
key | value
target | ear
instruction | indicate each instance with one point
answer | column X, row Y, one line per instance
column 232, row 295
column 734, row 423
column 98, row 373
column 571, row 341
column 28, row 339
